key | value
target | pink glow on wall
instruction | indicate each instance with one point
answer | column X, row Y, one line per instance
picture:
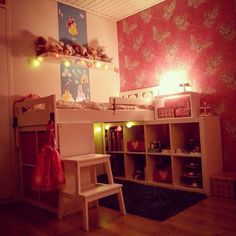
column 198, row 36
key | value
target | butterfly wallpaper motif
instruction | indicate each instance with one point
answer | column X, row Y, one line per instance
column 198, row 35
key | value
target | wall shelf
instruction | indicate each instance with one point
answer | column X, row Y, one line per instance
column 75, row 60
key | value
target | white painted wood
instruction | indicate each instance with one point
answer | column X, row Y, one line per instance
column 112, row 9
column 90, row 194
column 40, row 110
column 75, row 139
column 207, row 130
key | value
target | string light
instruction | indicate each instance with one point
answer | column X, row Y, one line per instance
column 68, row 60
column 129, row 124
column 107, row 127
column 35, row 62
column 67, row 64
column 98, row 64
column 98, row 129
column 106, row 67
column 119, row 128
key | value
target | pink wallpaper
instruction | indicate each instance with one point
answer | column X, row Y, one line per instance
column 197, row 35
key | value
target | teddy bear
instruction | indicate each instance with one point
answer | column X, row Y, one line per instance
column 102, row 55
column 56, row 46
column 69, row 50
column 41, row 45
column 76, row 48
column 93, row 54
column 80, row 51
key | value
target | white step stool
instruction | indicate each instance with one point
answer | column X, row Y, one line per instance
column 94, row 191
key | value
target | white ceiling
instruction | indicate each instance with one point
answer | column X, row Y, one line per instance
column 112, row 9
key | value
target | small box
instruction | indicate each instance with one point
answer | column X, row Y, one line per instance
column 224, row 184
column 185, row 104
column 166, row 112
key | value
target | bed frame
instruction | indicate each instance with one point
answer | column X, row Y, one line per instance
column 40, row 111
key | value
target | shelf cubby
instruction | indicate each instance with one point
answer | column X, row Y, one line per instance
column 135, row 166
column 188, row 172
column 157, row 138
column 185, row 138
column 159, row 169
column 134, row 138
column 117, row 164
column 114, row 139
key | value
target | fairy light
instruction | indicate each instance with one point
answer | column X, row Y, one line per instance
column 107, row 127
column 67, row 64
column 98, row 64
column 119, row 128
column 98, row 129
column 129, row 124
column 89, row 64
column 106, row 67
column 40, row 59
column 82, row 63
column 35, row 62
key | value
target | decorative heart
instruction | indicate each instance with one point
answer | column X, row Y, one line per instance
column 163, row 174
column 135, row 144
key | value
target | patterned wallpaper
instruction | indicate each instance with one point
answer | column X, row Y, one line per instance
column 198, row 36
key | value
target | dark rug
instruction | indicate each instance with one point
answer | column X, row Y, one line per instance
column 151, row 202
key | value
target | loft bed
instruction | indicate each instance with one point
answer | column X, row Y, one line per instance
column 74, row 133
column 40, row 111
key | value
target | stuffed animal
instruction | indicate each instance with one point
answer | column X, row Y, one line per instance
column 56, row 46
column 69, row 50
column 41, row 45
column 102, row 55
column 93, row 53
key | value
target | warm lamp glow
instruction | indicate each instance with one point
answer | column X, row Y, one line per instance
column 171, row 80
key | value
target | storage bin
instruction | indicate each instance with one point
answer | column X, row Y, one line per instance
column 224, row 184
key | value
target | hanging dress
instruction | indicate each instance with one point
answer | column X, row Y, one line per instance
column 48, row 174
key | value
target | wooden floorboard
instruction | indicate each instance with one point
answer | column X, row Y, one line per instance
column 213, row 216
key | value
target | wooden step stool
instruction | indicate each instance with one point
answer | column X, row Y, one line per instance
column 94, row 191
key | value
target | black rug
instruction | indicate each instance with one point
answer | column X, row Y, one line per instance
column 151, row 202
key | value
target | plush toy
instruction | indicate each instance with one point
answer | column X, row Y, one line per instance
column 76, row 48
column 80, row 51
column 69, row 50
column 56, row 46
column 93, row 53
column 84, row 52
column 41, row 45
column 102, row 55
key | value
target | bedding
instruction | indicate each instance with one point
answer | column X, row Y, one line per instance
column 99, row 105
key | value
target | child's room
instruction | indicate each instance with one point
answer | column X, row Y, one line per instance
column 118, row 117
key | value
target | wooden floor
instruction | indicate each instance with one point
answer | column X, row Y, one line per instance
column 213, row 216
